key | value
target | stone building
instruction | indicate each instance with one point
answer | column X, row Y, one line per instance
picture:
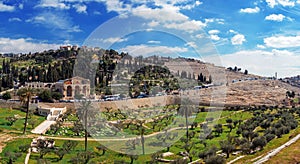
column 73, row 86
column 38, row 85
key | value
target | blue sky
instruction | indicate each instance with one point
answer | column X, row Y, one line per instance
column 259, row 35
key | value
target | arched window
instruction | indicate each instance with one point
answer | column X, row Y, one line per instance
column 77, row 90
column 84, row 90
column 69, row 91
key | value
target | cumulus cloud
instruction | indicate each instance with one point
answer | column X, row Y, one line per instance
column 232, row 31
column 250, row 10
column 260, row 46
column 214, row 37
column 189, row 26
column 275, row 17
column 169, row 16
column 80, row 8
column 117, row 6
column 265, row 63
column 238, row 39
column 191, row 6
column 23, row 45
column 282, row 41
column 271, row 3
column 211, row 32
column 168, row 13
column 7, row 8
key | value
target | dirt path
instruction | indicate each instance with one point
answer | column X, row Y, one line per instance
column 3, row 139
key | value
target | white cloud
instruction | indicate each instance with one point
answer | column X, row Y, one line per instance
column 282, row 41
column 153, row 23
column 189, row 26
column 23, row 45
column 80, row 8
column 265, row 63
column 271, row 3
column 284, row 3
column 15, row 19
column 191, row 6
column 146, row 50
column 154, row 42
column 113, row 40
column 214, row 20
column 250, row 10
column 191, row 44
column 4, row 7
column 211, row 32
column 117, row 6
column 21, row 6
column 168, row 16
column 168, row 13
column 214, row 37
column 55, row 21
column 275, row 17
column 232, row 31
column 260, row 46
column 53, row 4
column 238, row 39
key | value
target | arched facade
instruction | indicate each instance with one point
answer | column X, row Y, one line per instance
column 74, row 86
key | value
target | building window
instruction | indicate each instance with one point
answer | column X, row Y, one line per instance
column 77, row 90
column 69, row 91
column 84, row 90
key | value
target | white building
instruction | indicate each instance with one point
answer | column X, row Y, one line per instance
column 50, row 112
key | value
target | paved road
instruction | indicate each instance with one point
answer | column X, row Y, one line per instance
column 277, row 150
column 43, row 127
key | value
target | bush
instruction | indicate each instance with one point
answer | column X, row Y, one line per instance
column 269, row 137
column 259, row 142
column 6, row 96
column 216, row 159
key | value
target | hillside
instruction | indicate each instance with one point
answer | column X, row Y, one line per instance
column 241, row 88
column 256, row 92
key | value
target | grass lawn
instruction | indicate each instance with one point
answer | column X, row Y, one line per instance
column 13, row 146
column 19, row 124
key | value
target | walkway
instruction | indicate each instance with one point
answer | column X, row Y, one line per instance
column 43, row 127
column 27, row 156
column 277, row 150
